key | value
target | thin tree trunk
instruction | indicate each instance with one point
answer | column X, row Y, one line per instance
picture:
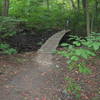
column 86, row 14
column 94, row 15
column 64, row 6
column 56, row 1
column 96, row 6
column 0, row 7
column 84, row 6
column 92, row 22
column 87, row 19
column 73, row 4
column 78, row 4
column 48, row 5
column 5, row 8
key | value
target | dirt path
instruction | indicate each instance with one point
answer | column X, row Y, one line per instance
column 37, row 79
column 29, row 78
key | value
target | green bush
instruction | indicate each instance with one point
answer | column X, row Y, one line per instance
column 8, row 26
column 80, row 51
column 73, row 88
column 5, row 48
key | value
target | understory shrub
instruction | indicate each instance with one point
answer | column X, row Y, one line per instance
column 80, row 51
column 8, row 28
column 73, row 88
column 78, row 55
column 6, row 49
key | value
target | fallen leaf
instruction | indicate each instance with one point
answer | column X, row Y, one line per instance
column 44, row 73
column 36, row 98
column 44, row 98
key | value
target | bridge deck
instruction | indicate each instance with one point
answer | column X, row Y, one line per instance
column 52, row 43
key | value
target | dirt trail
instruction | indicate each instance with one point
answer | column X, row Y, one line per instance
column 35, row 80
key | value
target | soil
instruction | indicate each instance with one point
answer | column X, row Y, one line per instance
column 26, row 77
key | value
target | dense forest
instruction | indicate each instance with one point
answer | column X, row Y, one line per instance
column 49, row 49
column 28, row 21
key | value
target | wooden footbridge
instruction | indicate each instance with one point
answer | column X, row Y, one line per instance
column 52, row 43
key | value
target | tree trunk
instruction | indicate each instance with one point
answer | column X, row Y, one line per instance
column 73, row 4
column 87, row 19
column 48, row 5
column 0, row 7
column 92, row 22
column 84, row 6
column 78, row 4
column 94, row 15
column 5, row 8
column 96, row 6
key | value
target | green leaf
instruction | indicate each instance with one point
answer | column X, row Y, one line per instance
column 10, row 51
column 69, row 61
column 74, row 58
column 83, row 69
column 96, row 46
column 4, row 46
column 64, row 44
column 77, row 43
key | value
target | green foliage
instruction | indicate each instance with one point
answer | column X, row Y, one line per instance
column 93, row 41
column 5, row 48
column 78, row 53
column 73, row 87
column 39, row 17
column 8, row 26
column 1, row 6
column 36, row 13
column 84, row 69
column 81, row 50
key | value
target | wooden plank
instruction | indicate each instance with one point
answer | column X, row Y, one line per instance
column 52, row 43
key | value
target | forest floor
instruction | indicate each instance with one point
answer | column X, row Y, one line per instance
column 23, row 78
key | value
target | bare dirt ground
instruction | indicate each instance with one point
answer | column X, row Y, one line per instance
column 26, row 77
